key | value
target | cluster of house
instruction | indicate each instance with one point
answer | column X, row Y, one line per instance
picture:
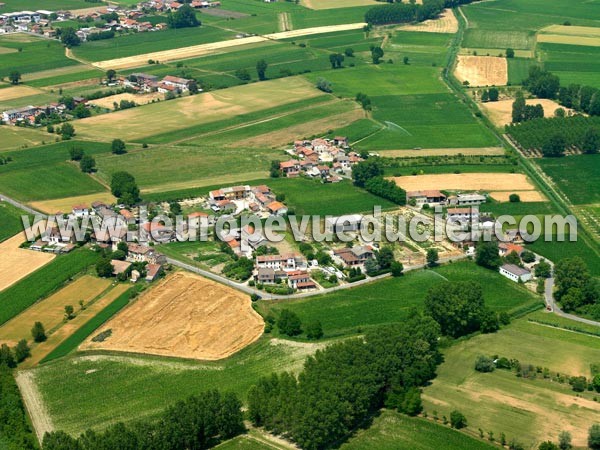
column 142, row 82
column 289, row 268
column 34, row 21
column 321, row 158
column 28, row 114
column 137, row 253
column 236, row 199
column 173, row 5
column 512, row 271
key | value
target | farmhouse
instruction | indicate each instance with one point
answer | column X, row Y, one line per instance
column 290, row 168
column 153, row 271
column 180, row 84
column 81, row 211
column 354, row 256
column 120, row 267
column 269, row 276
column 300, row 280
column 285, row 262
column 463, row 214
column 25, row 113
column 347, row 223
column 515, row 273
column 470, row 199
column 427, row 197
column 277, row 208
column 507, row 248
column 144, row 253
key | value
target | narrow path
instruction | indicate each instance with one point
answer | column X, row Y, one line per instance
column 40, row 419
column 20, row 205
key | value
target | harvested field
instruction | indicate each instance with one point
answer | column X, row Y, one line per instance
column 51, row 311
column 445, row 23
column 85, row 11
column 10, row 93
column 442, row 152
column 17, row 263
column 525, row 196
column 569, row 40
column 332, row 4
column 6, row 50
column 184, row 316
column 500, row 112
column 219, row 12
column 66, row 204
column 316, row 30
column 55, row 72
column 34, row 403
column 207, row 181
column 466, row 182
column 482, row 70
column 139, row 99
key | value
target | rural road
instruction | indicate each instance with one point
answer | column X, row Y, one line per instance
column 266, row 296
column 27, row 209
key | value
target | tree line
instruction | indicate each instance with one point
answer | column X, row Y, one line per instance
column 369, row 175
column 399, row 12
column 15, row 433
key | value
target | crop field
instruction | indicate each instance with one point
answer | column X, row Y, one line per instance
column 501, row 40
column 137, row 123
column 34, row 5
column 391, row 300
column 36, row 54
column 51, row 311
column 524, row 196
column 445, row 23
column 500, row 112
column 10, row 93
column 42, row 282
column 426, row 106
column 393, row 431
column 184, row 316
column 518, row 69
column 16, row 263
column 467, row 182
column 482, row 70
column 485, row 151
column 10, row 217
column 66, row 204
column 331, row 4
column 572, row 63
column 53, row 77
column 422, row 49
column 530, row 410
column 576, row 176
column 109, row 388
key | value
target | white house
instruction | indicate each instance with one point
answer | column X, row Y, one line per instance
column 347, row 223
column 463, row 214
column 515, row 273
column 81, row 211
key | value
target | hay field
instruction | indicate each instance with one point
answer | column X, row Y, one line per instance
column 17, row 263
column 184, row 316
column 139, row 99
column 13, row 92
column 66, row 204
column 500, row 112
column 332, row 4
column 13, row 138
column 482, row 70
column 466, row 182
column 136, row 123
column 561, row 34
column 486, row 151
column 51, row 311
column 445, row 23
column 525, row 196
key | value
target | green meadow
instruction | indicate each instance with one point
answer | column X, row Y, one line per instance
column 10, row 217
column 576, row 176
column 577, row 64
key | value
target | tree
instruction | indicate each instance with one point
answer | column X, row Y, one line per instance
column 69, row 37
column 548, row 445
column 570, row 273
column 457, row 420
column 324, row 85
column 59, row 440
column 486, row 255
column 118, row 147
column 104, row 268
column 184, row 17
column 69, row 310
column 124, row 187
column 510, row 53
column 594, row 437
column 485, row 96
column 564, row 440
column 81, row 112
column 596, row 382
column 22, row 351
column 376, row 54
column 432, row 257
column 518, row 108
column 76, row 153
column 590, row 142
column 243, row 74
column 397, row 268
column 314, row 330
column 67, row 131
column 87, row 164
column 349, row 52
column 111, row 75
column 6, row 356
column 385, row 257
column 555, row 145
column 494, row 94
column 261, row 69
column 527, row 256
column 274, row 171
column 484, row 364
column 38, row 333
column 543, row 269
column 542, row 83
column 14, row 77
column 289, row 323
column 406, row 61
column 175, row 208
column 513, row 258
column 336, row 60
column 365, row 170
column 514, row 198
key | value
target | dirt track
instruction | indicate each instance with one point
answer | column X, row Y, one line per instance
column 184, row 316
column 17, row 263
column 32, row 398
column 482, row 70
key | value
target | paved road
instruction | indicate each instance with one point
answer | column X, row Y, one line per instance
column 266, row 296
column 20, row 205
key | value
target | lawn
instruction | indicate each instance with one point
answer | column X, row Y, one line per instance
column 43, row 282
column 10, row 217
column 391, row 300
column 393, row 431
column 530, row 410
column 107, row 389
column 576, row 176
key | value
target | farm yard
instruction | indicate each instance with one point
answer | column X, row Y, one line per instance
column 184, row 316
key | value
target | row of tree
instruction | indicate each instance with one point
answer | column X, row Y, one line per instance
column 15, row 433
column 399, row 12
column 199, row 422
column 369, row 175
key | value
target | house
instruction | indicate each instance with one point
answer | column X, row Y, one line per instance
column 470, row 199
column 127, row 215
column 144, row 253
column 507, row 248
column 427, row 197
column 153, row 271
column 300, row 280
column 225, row 205
column 280, row 262
column 81, row 211
column 120, row 267
column 354, row 256
column 153, row 231
column 268, row 275
column 182, row 84
column 341, row 141
column 463, row 214
column 18, row 114
column 290, row 168
column 515, row 273
column 347, row 223
column 277, row 209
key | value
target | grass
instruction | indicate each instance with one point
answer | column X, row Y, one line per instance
column 43, row 282
column 393, row 431
column 391, row 300
column 10, row 217
column 576, row 176
column 52, row 5
column 73, row 341
column 556, row 251
column 518, row 69
column 12, row 138
column 108, row 389
column 572, row 63
column 530, row 410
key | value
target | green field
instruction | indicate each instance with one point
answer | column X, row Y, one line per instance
column 12, row 138
column 422, row 49
column 43, row 282
column 530, row 410
column 577, row 64
column 34, row 5
column 391, row 300
column 576, row 176
column 518, row 69
column 10, row 217
column 109, row 389
column 393, row 431
column 36, row 53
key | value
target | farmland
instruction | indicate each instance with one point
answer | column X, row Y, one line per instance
column 16, row 263
column 13, row 138
column 576, row 176
column 572, row 63
column 11, row 220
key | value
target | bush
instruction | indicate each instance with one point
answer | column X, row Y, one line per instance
column 457, row 420
column 289, row 323
column 484, row 364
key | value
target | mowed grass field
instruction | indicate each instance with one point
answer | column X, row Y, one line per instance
column 578, row 64
column 10, row 217
column 412, row 107
column 576, row 176
column 391, row 300
column 137, row 123
column 13, row 138
column 529, row 410
column 104, row 389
